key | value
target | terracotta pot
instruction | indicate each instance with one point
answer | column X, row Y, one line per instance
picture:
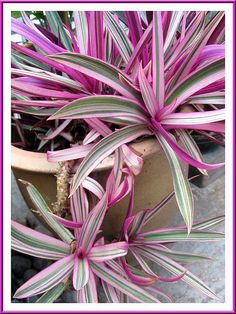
column 151, row 185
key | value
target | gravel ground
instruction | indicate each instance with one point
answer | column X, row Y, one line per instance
column 209, row 201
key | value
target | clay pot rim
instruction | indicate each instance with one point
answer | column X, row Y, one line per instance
column 37, row 162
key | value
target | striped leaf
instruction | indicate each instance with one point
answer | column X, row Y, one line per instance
column 172, row 29
column 93, row 186
column 25, row 62
column 179, row 256
column 44, row 210
column 38, row 39
column 92, row 224
column 196, row 48
column 119, row 36
column 104, row 148
column 182, row 153
column 110, row 292
column 216, row 98
column 90, row 137
column 102, row 107
column 58, row 29
column 176, row 269
column 191, row 147
column 106, row 252
column 147, row 93
column 81, row 27
column 47, row 278
column 66, row 154
column 122, row 284
column 79, row 205
column 183, row 192
column 53, row 294
column 196, row 81
column 158, row 59
column 51, row 77
column 188, row 118
column 138, row 222
column 96, row 34
column 80, row 272
column 209, row 223
column 138, row 49
column 97, row 69
column 31, row 242
column 88, row 294
column 34, row 90
column 154, row 237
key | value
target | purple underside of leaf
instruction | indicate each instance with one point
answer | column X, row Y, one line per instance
column 40, row 103
column 135, row 30
column 204, row 117
column 182, row 154
column 209, row 53
column 139, row 48
column 175, row 268
column 39, row 40
column 217, row 127
column 38, row 91
column 139, row 280
column 45, row 60
column 67, row 223
column 72, row 153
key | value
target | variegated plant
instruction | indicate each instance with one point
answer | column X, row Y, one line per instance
column 89, row 89
column 85, row 261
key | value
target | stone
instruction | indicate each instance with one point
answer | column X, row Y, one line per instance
column 20, row 264
column 39, row 263
column 29, row 274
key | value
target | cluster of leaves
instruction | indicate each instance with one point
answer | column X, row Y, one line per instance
column 89, row 258
column 121, row 76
